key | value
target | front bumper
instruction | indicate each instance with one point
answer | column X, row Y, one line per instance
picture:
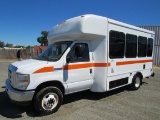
column 18, row 96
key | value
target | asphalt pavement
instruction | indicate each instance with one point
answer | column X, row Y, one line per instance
column 119, row 104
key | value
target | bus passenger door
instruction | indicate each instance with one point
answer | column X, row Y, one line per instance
column 116, row 74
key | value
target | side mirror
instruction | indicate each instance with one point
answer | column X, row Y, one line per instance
column 68, row 59
column 79, row 51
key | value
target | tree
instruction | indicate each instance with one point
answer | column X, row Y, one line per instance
column 43, row 39
column 40, row 40
column 1, row 44
column 9, row 45
column 19, row 46
column 29, row 47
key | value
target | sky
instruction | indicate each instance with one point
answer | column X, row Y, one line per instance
column 21, row 21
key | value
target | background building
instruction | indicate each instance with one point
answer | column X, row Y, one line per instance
column 156, row 29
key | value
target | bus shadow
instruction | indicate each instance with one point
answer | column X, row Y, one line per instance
column 95, row 95
column 9, row 110
column 91, row 95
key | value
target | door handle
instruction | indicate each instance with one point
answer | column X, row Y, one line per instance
column 90, row 70
column 144, row 66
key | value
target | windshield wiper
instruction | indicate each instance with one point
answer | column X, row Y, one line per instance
column 44, row 57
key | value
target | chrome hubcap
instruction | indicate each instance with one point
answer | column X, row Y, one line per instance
column 50, row 101
column 137, row 82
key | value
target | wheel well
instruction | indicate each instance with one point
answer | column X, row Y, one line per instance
column 140, row 74
column 51, row 83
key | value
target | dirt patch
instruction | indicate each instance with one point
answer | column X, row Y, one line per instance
column 8, row 60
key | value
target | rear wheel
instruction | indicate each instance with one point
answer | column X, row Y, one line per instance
column 136, row 82
column 48, row 100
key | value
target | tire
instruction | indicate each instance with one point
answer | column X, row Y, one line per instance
column 48, row 100
column 136, row 82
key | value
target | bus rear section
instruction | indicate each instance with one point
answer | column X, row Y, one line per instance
column 130, row 55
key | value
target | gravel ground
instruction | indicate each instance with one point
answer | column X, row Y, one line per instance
column 120, row 104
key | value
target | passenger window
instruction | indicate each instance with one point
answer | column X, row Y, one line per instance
column 142, row 46
column 79, row 53
column 150, row 47
column 131, row 46
column 116, row 44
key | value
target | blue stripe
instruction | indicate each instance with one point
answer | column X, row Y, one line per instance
column 57, row 68
column 13, row 68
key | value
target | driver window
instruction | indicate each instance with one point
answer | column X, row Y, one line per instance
column 79, row 53
column 57, row 50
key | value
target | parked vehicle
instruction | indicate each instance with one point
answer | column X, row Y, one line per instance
column 85, row 52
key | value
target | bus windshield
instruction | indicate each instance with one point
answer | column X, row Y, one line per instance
column 54, row 51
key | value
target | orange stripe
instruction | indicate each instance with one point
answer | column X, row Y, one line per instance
column 101, row 64
column 132, row 62
column 77, row 66
column 86, row 65
column 45, row 69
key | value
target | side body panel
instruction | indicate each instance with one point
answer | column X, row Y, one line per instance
column 99, row 56
column 126, row 68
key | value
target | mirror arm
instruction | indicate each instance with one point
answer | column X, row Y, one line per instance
column 68, row 59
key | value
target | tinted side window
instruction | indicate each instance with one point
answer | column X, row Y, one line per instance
column 116, row 44
column 150, row 47
column 142, row 46
column 131, row 46
column 84, row 53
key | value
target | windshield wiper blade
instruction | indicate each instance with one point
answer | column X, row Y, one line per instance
column 46, row 58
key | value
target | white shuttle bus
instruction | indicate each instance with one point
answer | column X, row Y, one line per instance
column 85, row 52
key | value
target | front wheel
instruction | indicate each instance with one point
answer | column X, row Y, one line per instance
column 48, row 100
column 136, row 82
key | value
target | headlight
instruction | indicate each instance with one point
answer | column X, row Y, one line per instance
column 22, row 81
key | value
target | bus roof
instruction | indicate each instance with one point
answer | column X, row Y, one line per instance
column 86, row 25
